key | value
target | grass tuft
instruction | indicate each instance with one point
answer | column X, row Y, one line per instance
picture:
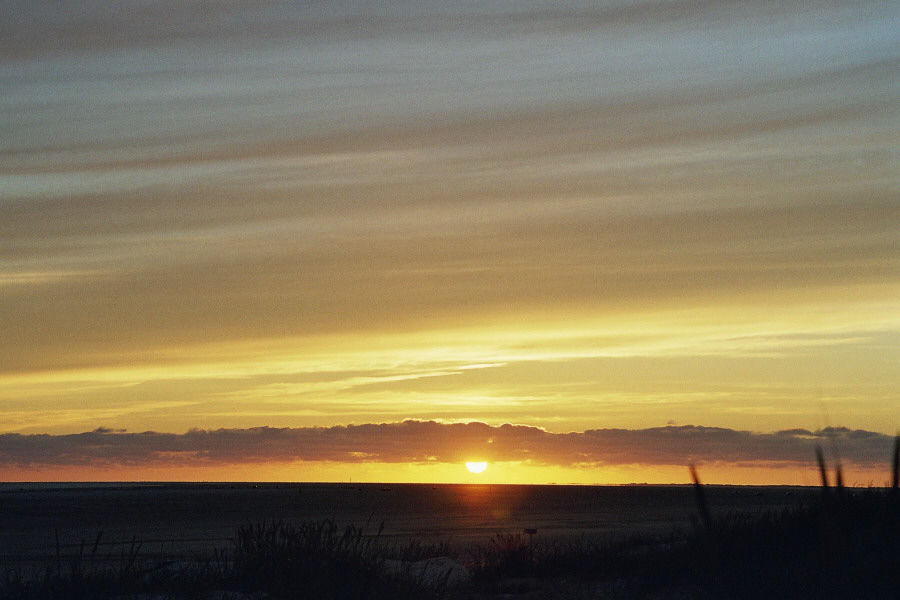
column 828, row 546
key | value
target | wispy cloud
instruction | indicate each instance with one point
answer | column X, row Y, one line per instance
column 327, row 213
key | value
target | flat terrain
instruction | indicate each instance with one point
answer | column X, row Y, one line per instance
column 183, row 520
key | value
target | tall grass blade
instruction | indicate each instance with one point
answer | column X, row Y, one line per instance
column 702, row 505
column 96, row 544
column 823, row 471
column 895, row 466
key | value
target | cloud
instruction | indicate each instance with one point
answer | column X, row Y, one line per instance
column 431, row 441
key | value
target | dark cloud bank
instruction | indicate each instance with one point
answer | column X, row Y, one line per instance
column 429, row 441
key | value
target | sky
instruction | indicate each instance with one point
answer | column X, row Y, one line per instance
column 584, row 241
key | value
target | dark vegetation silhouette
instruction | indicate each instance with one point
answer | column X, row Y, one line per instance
column 840, row 543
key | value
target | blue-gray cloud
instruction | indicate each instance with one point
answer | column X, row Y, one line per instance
column 430, row 441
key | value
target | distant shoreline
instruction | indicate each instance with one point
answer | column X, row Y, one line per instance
column 70, row 485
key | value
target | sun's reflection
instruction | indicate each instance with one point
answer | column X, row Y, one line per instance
column 491, row 503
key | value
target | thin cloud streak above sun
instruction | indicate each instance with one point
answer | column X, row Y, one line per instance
column 571, row 216
column 553, row 377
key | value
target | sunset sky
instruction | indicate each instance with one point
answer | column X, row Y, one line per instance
column 373, row 240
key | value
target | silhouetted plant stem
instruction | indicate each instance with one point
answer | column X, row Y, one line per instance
column 823, row 471
column 895, row 466
column 702, row 505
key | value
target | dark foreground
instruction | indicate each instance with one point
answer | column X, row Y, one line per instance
column 734, row 543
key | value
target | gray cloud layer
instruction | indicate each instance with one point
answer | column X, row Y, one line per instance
column 429, row 441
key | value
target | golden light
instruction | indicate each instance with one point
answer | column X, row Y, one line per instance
column 476, row 467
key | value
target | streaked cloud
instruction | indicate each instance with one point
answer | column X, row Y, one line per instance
column 623, row 213
column 560, row 377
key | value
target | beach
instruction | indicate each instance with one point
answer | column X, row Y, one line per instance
column 184, row 520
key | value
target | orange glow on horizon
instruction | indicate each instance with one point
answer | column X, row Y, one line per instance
column 450, row 280
column 446, row 473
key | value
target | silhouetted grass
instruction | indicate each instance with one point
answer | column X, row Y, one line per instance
column 836, row 546
column 83, row 575
column 314, row 560
column 895, row 465
column 843, row 544
column 839, row 547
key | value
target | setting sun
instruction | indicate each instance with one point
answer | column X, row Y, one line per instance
column 597, row 282
column 476, row 467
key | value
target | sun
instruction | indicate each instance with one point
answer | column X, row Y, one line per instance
column 476, row 467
